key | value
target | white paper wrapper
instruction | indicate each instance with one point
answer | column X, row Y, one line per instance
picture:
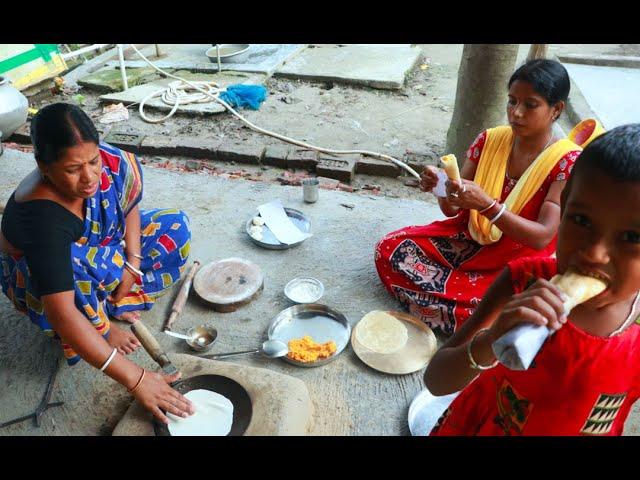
column 440, row 190
column 517, row 348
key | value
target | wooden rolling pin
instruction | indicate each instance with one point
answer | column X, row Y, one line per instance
column 181, row 299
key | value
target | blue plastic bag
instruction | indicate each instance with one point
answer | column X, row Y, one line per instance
column 249, row 96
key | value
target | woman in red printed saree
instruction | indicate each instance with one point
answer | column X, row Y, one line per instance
column 506, row 207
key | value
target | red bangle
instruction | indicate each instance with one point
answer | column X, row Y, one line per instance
column 139, row 381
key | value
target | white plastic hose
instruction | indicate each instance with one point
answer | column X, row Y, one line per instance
column 213, row 91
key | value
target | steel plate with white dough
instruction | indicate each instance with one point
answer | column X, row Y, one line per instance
column 261, row 234
column 414, row 355
column 213, row 416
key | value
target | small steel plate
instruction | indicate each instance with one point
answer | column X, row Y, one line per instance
column 269, row 240
column 320, row 322
column 313, row 283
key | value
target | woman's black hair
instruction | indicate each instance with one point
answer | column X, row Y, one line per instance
column 615, row 153
column 548, row 78
column 59, row 126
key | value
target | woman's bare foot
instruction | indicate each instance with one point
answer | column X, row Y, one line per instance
column 131, row 317
column 125, row 342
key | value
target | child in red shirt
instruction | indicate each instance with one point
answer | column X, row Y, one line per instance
column 586, row 376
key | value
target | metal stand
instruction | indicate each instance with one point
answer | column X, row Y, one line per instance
column 123, row 70
column 218, row 55
column 44, row 403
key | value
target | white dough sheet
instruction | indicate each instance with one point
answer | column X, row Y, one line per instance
column 213, row 416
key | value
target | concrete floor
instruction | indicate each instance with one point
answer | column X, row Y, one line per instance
column 613, row 93
column 340, row 253
column 344, row 392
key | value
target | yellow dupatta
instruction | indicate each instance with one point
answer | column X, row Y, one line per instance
column 491, row 172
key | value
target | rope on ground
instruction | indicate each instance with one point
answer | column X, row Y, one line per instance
column 212, row 91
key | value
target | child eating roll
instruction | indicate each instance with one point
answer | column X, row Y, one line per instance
column 586, row 376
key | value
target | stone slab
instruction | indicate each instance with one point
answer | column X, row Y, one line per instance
column 109, row 79
column 260, row 58
column 302, row 159
column 127, row 141
column 232, row 151
column 376, row 66
column 373, row 166
column 276, row 155
column 183, row 146
column 139, row 93
column 281, row 403
column 340, row 168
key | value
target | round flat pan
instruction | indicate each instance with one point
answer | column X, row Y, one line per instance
column 415, row 355
column 242, row 409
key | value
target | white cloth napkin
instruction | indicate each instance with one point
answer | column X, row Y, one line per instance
column 517, row 348
column 280, row 224
column 425, row 411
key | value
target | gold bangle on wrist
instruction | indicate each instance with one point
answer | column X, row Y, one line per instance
column 472, row 361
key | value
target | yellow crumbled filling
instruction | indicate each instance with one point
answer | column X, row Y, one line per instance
column 306, row 350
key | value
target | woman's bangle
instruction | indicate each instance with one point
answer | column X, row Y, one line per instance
column 139, row 381
column 489, row 207
column 472, row 361
column 106, row 364
column 495, row 219
column 133, row 269
column 135, row 255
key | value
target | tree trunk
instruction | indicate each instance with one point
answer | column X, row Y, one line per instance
column 538, row 50
column 481, row 95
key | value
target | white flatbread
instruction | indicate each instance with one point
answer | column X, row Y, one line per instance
column 382, row 333
column 213, row 416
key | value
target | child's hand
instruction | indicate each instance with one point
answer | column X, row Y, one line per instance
column 154, row 394
column 540, row 304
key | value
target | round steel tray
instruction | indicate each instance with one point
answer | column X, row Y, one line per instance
column 269, row 240
column 320, row 322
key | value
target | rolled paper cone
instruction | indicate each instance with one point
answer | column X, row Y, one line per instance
column 451, row 167
column 517, row 348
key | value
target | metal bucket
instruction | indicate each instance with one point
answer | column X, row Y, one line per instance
column 13, row 108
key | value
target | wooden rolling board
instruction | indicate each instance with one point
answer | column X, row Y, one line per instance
column 228, row 284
